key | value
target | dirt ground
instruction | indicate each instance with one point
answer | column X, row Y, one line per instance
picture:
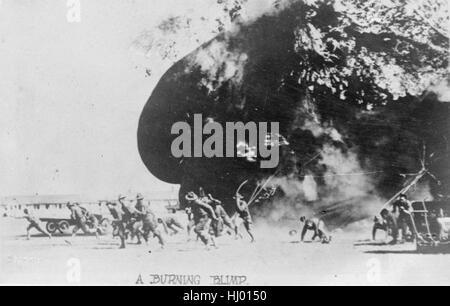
column 275, row 259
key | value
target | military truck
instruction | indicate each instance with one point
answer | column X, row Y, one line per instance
column 62, row 225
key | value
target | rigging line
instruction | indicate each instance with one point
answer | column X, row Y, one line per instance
column 311, row 160
column 259, row 188
column 343, row 174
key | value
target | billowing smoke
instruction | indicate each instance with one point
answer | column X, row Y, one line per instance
column 352, row 103
column 332, row 185
column 219, row 65
column 442, row 89
column 349, row 192
column 343, row 193
column 178, row 35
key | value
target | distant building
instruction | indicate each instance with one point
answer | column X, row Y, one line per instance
column 53, row 204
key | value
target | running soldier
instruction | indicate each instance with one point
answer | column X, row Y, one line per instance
column 171, row 222
column 190, row 219
column 224, row 219
column 244, row 213
column 80, row 220
column 132, row 228
column 216, row 226
column 91, row 220
column 148, row 219
column 118, row 221
column 34, row 222
column 317, row 226
column 202, row 216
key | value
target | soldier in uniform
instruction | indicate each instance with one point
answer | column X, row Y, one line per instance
column 317, row 226
column 402, row 207
column 379, row 225
column 134, row 226
column 80, row 219
column 388, row 224
column 92, row 221
column 118, row 221
column 244, row 213
column 148, row 219
column 202, row 216
column 190, row 219
column 224, row 219
column 128, row 218
column 34, row 222
column 171, row 222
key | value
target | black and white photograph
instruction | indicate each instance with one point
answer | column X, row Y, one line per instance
column 224, row 143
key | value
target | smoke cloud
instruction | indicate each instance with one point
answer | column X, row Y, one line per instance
column 344, row 193
column 442, row 89
column 219, row 64
column 344, row 105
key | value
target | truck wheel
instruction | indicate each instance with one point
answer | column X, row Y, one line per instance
column 51, row 227
column 63, row 226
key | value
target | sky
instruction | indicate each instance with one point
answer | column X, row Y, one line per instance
column 71, row 94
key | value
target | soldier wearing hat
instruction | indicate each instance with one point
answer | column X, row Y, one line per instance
column 202, row 216
column 121, row 199
column 243, row 212
column 148, row 220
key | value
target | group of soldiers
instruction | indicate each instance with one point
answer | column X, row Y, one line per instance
column 206, row 218
column 130, row 221
column 397, row 221
column 134, row 219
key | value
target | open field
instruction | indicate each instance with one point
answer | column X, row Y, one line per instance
column 275, row 259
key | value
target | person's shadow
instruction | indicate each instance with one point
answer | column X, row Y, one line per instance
column 385, row 252
column 368, row 242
